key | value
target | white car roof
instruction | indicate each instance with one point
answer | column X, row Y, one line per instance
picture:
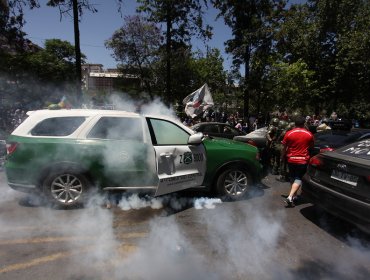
column 38, row 115
column 78, row 112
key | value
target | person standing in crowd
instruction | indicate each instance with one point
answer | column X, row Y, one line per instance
column 271, row 135
column 255, row 124
column 324, row 125
column 296, row 145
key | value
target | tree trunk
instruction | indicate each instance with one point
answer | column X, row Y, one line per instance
column 246, row 82
column 77, row 52
column 168, row 56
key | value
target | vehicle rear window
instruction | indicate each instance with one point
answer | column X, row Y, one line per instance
column 358, row 149
column 118, row 128
column 60, row 126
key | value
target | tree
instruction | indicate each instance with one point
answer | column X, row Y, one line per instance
column 11, row 23
column 333, row 38
column 182, row 20
column 209, row 69
column 76, row 7
column 33, row 78
column 291, row 83
column 250, row 22
column 136, row 46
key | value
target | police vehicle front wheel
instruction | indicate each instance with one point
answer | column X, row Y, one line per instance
column 234, row 183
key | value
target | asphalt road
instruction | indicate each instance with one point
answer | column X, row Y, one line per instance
column 186, row 236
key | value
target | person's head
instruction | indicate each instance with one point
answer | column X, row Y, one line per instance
column 334, row 116
column 275, row 122
column 325, row 121
column 299, row 121
column 282, row 124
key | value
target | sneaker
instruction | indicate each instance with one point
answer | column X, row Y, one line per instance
column 289, row 203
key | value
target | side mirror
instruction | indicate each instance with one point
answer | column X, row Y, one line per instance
column 195, row 139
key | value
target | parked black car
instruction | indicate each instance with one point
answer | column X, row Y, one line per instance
column 330, row 140
column 339, row 182
column 217, row 129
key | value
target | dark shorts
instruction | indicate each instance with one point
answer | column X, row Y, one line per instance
column 296, row 172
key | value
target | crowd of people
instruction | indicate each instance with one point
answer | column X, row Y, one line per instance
column 289, row 138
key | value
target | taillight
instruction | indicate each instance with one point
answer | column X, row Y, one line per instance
column 11, row 147
column 327, row 149
column 368, row 178
column 251, row 142
column 315, row 161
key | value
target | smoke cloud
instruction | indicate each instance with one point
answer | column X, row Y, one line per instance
column 190, row 238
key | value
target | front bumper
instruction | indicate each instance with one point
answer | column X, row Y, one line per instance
column 347, row 208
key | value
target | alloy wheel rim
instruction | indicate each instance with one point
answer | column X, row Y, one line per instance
column 66, row 188
column 236, row 183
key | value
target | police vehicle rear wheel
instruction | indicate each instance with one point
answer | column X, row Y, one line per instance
column 66, row 189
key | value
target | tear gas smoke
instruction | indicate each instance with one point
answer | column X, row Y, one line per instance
column 238, row 242
column 201, row 203
column 134, row 201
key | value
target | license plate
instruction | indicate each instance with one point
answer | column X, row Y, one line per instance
column 344, row 177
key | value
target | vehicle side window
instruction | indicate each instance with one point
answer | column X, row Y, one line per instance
column 168, row 133
column 229, row 130
column 211, row 128
column 60, row 126
column 118, row 128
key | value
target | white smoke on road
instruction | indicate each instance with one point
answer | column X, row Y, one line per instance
column 209, row 203
column 165, row 254
column 6, row 193
column 135, row 202
column 175, row 202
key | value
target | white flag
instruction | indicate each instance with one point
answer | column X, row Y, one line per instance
column 198, row 101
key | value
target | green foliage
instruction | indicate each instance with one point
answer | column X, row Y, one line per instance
column 252, row 25
column 136, row 45
column 293, row 83
column 209, row 69
column 185, row 17
column 332, row 38
column 182, row 20
column 36, row 77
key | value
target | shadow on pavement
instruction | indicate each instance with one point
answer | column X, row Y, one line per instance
column 338, row 228
column 323, row 270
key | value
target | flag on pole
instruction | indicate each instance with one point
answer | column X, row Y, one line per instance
column 198, row 101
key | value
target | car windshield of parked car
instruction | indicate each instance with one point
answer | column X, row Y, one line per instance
column 118, row 128
column 167, row 133
column 214, row 128
column 60, row 126
column 230, row 130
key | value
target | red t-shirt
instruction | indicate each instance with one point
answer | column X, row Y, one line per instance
column 298, row 141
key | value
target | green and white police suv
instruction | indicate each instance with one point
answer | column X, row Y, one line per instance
column 64, row 154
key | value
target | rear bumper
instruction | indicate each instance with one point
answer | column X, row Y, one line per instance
column 23, row 187
column 347, row 208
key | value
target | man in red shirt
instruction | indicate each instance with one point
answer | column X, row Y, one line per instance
column 296, row 144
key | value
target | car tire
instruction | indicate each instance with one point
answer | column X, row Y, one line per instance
column 66, row 189
column 234, row 183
